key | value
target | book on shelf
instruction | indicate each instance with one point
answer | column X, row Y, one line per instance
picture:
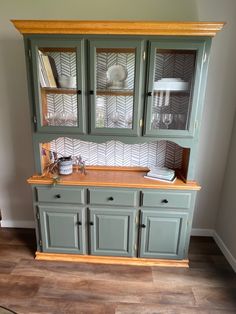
column 161, row 174
column 162, row 180
column 46, row 75
column 48, row 68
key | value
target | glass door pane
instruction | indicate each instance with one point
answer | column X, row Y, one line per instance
column 172, row 88
column 115, row 82
column 115, row 87
column 58, row 82
column 58, row 85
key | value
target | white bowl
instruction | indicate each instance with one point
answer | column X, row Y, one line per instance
column 67, row 81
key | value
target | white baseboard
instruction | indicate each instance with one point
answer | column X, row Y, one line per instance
column 202, row 232
column 225, row 250
column 17, row 224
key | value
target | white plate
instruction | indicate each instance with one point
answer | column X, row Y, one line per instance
column 117, row 73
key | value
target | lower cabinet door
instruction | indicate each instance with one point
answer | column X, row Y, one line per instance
column 112, row 231
column 162, row 234
column 62, row 229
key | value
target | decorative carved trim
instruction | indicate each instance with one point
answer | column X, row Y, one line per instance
column 118, row 27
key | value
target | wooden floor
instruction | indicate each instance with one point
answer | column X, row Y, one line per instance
column 29, row 286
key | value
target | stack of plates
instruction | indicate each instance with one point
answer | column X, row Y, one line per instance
column 173, row 84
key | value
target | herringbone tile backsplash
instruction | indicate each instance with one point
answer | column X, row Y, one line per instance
column 115, row 153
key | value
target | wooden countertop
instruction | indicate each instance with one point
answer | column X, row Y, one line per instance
column 115, row 177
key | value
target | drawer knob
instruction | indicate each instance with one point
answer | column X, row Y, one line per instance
column 110, row 198
column 57, row 196
column 91, row 223
column 165, row 201
column 149, row 94
column 79, row 223
column 143, row 226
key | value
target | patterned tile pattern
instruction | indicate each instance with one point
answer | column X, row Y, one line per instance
column 65, row 62
column 115, row 153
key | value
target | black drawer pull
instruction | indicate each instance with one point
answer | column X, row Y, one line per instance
column 110, row 198
column 79, row 223
column 91, row 92
column 149, row 94
column 57, row 196
column 91, row 223
column 165, row 201
column 79, row 92
column 143, row 226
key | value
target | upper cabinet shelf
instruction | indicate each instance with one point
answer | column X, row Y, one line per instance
column 53, row 90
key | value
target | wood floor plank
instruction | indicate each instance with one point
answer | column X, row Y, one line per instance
column 13, row 286
column 147, row 308
column 180, row 278
column 6, row 267
column 83, row 270
column 215, row 297
column 54, row 306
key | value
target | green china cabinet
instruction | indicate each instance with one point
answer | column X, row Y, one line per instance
column 126, row 96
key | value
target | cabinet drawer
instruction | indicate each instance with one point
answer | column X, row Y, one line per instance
column 113, row 197
column 61, row 195
column 166, row 199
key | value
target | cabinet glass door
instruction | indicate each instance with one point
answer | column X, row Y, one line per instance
column 115, row 86
column 172, row 97
column 58, row 85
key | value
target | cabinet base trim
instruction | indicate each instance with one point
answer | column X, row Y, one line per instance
column 111, row 260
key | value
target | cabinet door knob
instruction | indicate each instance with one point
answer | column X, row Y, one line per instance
column 91, row 92
column 143, row 226
column 91, row 223
column 79, row 92
column 165, row 201
column 79, row 223
column 110, row 198
column 149, row 94
column 57, row 196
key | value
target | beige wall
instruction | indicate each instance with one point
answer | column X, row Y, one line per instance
column 16, row 159
column 226, row 218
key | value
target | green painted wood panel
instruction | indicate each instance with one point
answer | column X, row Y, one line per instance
column 162, row 234
column 114, row 196
column 73, row 195
column 62, row 229
column 112, row 231
column 166, row 199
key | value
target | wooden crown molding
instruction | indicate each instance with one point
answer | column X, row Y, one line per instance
column 118, row 27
